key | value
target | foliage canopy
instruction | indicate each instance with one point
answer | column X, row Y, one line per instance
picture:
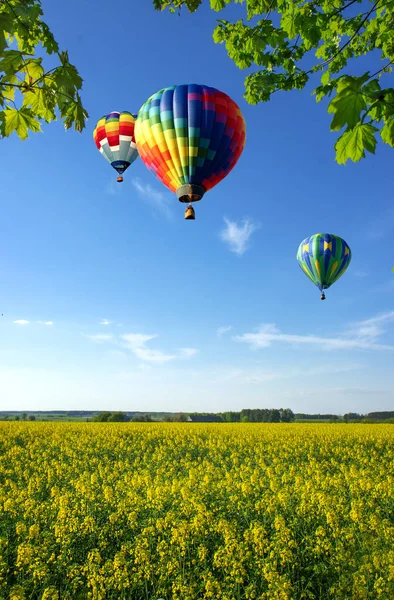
column 30, row 93
column 288, row 43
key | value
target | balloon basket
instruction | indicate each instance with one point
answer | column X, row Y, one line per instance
column 190, row 215
column 323, row 296
column 119, row 179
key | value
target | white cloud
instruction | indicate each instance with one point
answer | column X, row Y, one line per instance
column 187, row 352
column 105, row 322
column 381, row 318
column 363, row 335
column 136, row 342
column 237, row 235
column 153, row 356
column 99, row 338
column 21, row 322
column 48, row 323
column 155, row 198
column 222, row 330
column 370, row 329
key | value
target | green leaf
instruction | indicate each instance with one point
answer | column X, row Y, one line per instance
column 219, row 35
column 20, row 121
column 2, row 123
column 7, row 89
column 6, row 21
column 33, row 69
column 48, row 41
column 68, row 78
column 347, row 104
column 371, row 90
column 25, row 13
column 217, row 5
column 387, row 133
column 11, row 61
column 41, row 103
column 353, row 143
column 73, row 113
column 287, row 23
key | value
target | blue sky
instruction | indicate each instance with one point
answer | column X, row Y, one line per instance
column 111, row 300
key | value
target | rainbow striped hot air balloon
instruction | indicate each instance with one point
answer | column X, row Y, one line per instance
column 114, row 137
column 190, row 136
column 324, row 258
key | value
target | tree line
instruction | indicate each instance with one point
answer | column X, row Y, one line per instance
column 246, row 415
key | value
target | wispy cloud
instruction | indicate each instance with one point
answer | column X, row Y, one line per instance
column 363, row 335
column 21, row 322
column 47, row 323
column 187, row 352
column 137, row 340
column 222, row 330
column 105, row 322
column 237, row 235
column 100, row 338
column 155, row 198
column 137, row 343
column 370, row 329
column 153, row 356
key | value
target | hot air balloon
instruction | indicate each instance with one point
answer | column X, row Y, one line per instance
column 324, row 258
column 114, row 137
column 190, row 136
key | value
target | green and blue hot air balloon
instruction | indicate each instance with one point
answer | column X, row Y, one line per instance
column 324, row 257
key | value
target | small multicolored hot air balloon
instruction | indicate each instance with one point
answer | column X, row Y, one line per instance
column 324, row 258
column 190, row 136
column 114, row 137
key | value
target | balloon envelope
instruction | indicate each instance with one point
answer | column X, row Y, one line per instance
column 324, row 258
column 114, row 137
column 190, row 135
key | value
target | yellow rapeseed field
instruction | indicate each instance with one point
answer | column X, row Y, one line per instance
column 196, row 511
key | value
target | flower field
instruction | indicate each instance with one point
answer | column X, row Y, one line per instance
column 196, row 511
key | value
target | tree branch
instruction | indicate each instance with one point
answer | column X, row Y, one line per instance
column 383, row 68
column 343, row 8
column 37, row 87
column 341, row 49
